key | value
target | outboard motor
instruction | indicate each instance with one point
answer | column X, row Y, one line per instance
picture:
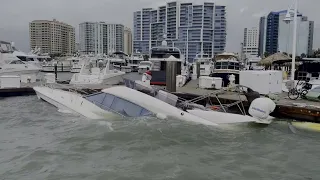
column 260, row 109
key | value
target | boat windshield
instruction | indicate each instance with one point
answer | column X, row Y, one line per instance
column 16, row 62
column 115, row 104
column 227, row 65
column 24, row 58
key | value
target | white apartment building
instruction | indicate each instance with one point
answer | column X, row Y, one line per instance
column 251, row 41
column 127, row 40
column 52, row 37
column 101, row 37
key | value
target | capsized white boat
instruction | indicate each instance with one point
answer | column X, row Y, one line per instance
column 139, row 101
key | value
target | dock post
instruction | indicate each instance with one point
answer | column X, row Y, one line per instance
column 171, row 75
column 198, row 70
column 56, row 71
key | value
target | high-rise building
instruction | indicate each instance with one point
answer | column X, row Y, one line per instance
column 52, row 37
column 193, row 28
column 101, row 37
column 127, row 40
column 276, row 35
column 251, row 41
column 262, row 36
column 304, row 42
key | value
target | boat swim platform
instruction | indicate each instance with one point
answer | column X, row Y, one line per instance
column 300, row 109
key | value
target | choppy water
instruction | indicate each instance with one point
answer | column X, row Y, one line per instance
column 37, row 142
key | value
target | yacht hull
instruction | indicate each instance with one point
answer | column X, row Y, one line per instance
column 19, row 72
column 110, row 79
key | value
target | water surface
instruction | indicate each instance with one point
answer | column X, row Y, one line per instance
column 38, row 142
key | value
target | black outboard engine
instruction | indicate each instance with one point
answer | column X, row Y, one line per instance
column 251, row 95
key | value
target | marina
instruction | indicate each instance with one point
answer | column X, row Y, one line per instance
column 188, row 91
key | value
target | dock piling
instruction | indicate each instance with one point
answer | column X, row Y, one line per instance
column 198, row 70
column 56, row 71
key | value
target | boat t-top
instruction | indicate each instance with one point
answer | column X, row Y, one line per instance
column 226, row 64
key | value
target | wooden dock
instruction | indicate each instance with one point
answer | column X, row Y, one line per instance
column 287, row 109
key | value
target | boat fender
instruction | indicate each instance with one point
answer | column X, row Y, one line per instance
column 161, row 116
column 260, row 108
column 182, row 114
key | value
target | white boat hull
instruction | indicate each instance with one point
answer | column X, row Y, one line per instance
column 18, row 72
column 223, row 118
column 109, row 79
column 72, row 102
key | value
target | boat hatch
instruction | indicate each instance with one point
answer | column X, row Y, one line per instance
column 115, row 104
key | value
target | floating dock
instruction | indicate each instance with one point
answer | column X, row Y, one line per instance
column 300, row 109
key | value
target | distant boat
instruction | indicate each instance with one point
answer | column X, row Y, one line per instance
column 12, row 65
column 226, row 64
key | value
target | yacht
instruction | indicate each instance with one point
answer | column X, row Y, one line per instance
column 134, row 61
column 76, row 64
column 33, row 57
column 95, row 72
column 159, row 56
column 11, row 64
column 139, row 101
column 119, row 61
column 206, row 64
column 226, row 64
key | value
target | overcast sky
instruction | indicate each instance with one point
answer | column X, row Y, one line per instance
column 15, row 15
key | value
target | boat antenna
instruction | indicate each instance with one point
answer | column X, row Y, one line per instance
column 164, row 41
